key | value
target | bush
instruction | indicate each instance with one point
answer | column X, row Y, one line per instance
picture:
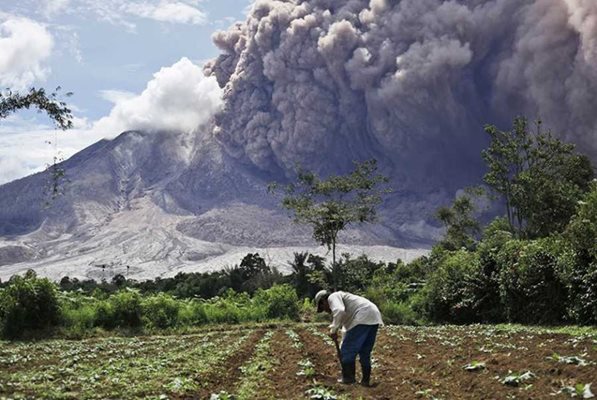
column 192, row 312
column 161, row 311
column 398, row 313
column 125, row 308
column 583, row 296
column 280, row 301
column 28, row 303
column 581, row 234
column 532, row 283
column 79, row 313
column 447, row 295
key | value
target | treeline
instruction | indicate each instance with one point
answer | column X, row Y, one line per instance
column 538, row 262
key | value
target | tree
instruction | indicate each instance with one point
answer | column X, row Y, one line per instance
column 462, row 228
column 540, row 178
column 330, row 205
column 56, row 109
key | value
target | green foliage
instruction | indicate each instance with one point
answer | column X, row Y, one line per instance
column 582, row 229
column 447, row 293
column 56, row 109
column 330, row 205
column 532, row 285
column 124, row 309
column 462, row 227
column 399, row 313
column 28, row 303
column 539, row 177
column 161, row 311
column 280, row 301
column 307, row 272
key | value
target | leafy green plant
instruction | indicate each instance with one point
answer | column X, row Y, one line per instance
column 573, row 360
column 321, row 393
column 475, row 366
column 579, row 390
column 307, row 369
column 515, row 379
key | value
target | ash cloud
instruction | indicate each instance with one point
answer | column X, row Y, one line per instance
column 410, row 82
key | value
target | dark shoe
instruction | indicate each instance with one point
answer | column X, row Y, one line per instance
column 366, row 381
column 348, row 371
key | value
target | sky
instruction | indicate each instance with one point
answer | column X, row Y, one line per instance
column 130, row 64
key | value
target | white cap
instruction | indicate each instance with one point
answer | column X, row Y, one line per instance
column 318, row 298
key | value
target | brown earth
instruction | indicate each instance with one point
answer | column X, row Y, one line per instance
column 424, row 364
column 224, row 375
column 409, row 363
column 283, row 381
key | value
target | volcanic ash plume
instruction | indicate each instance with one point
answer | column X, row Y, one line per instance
column 410, row 81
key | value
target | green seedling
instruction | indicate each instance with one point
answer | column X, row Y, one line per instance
column 580, row 390
column 296, row 340
column 514, row 379
column 573, row 360
column 321, row 393
column 307, row 368
column 475, row 366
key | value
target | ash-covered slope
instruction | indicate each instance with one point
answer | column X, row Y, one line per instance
column 159, row 202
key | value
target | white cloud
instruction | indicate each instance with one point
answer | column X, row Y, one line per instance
column 116, row 96
column 24, row 47
column 53, row 7
column 167, row 11
column 119, row 12
column 178, row 98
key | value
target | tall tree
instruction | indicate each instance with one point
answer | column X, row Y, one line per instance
column 540, row 177
column 462, row 226
column 332, row 204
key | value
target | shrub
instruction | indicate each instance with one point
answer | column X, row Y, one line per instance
column 192, row 312
column 28, row 303
column 398, row 313
column 125, row 307
column 280, row 301
column 581, row 233
column 447, row 296
column 221, row 311
column 161, row 311
column 79, row 312
column 532, row 287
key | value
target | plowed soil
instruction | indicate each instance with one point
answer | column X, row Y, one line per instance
column 409, row 363
column 428, row 363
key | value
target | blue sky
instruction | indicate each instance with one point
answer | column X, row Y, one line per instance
column 107, row 52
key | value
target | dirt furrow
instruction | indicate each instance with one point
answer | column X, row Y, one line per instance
column 224, row 375
column 283, row 382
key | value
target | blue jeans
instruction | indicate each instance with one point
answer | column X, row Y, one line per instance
column 359, row 340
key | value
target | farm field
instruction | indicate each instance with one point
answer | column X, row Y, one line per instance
column 294, row 361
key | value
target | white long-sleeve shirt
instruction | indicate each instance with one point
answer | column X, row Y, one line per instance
column 350, row 310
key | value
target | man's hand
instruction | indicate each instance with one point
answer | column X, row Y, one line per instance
column 334, row 336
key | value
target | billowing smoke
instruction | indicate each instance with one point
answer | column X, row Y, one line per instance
column 409, row 82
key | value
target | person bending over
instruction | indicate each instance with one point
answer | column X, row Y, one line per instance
column 361, row 319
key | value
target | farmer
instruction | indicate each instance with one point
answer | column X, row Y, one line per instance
column 360, row 318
